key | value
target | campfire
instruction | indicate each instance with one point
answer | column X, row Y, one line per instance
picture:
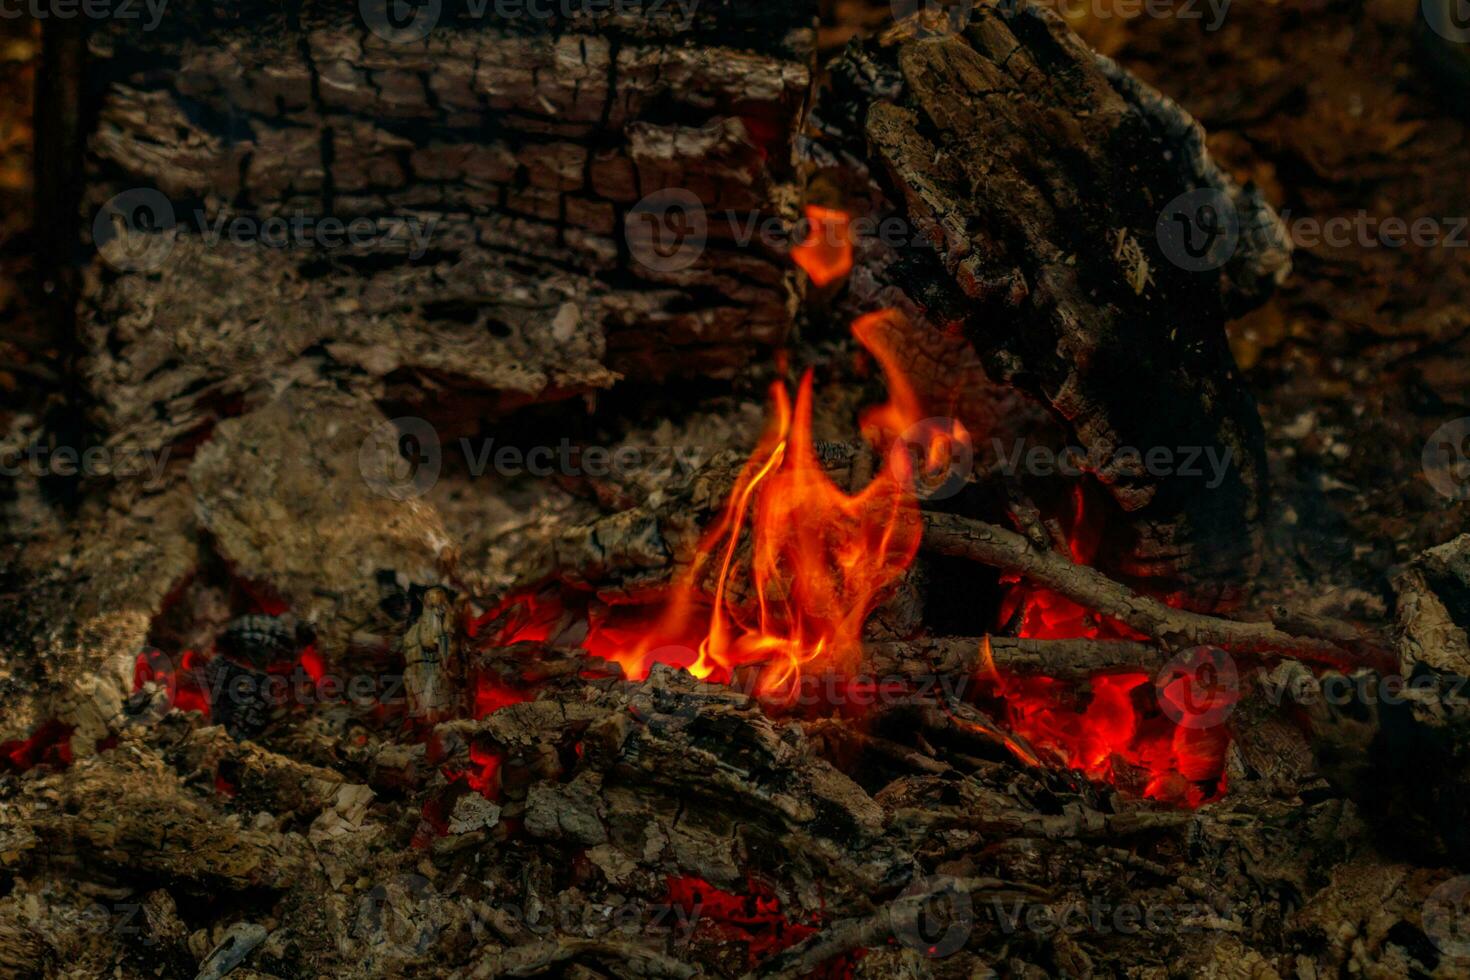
column 661, row 492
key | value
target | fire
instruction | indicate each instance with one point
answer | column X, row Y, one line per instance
column 1113, row 729
column 181, row 680
column 48, row 745
column 820, row 559
column 1042, row 614
column 784, row 581
column 754, row 920
column 825, row 254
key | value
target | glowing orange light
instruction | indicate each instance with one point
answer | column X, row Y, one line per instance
column 820, row 560
column 825, row 254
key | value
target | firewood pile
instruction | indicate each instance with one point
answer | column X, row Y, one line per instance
column 708, row 522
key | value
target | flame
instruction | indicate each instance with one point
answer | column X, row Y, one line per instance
column 825, row 254
column 1042, row 614
column 797, row 566
column 1112, row 728
column 820, row 560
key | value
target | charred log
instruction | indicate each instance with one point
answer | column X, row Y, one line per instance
column 1033, row 176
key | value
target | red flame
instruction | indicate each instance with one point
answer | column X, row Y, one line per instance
column 1048, row 615
column 1119, row 735
column 825, row 254
column 820, row 561
column 1113, row 727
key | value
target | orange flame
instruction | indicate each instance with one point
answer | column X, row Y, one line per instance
column 820, row 560
column 825, row 254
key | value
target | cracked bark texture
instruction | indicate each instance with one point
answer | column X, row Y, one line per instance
column 1033, row 174
column 516, row 149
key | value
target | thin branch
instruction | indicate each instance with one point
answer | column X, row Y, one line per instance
column 891, row 919
column 1068, row 659
column 961, row 537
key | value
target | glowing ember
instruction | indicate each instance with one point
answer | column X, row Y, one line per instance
column 491, row 695
column 49, row 745
column 483, row 776
column 182, row 681
column 754, row 920
column 821, row 560
column 1047, row 615
column 825, row 254
column 1114, row 728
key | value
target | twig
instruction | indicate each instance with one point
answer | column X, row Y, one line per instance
column 542, row 956
column 939, row 656
column 871, row 930
column 962, row 537
column 1074, row 824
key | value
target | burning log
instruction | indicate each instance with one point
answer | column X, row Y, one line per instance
column 1036, row 231
column 517, row 248
column 964, row 656
column 615, row 722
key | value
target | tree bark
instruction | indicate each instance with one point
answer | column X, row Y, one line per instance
column 503, row 162
column 1034, row 175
